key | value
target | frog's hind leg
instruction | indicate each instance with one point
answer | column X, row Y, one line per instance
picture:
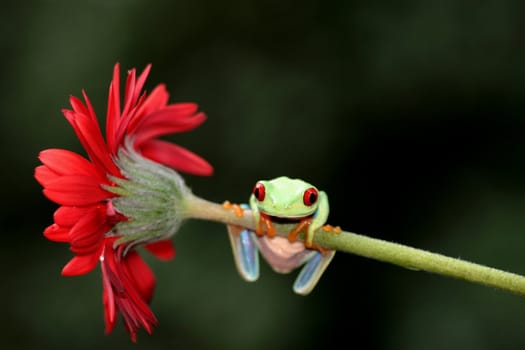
column 245, row 252
column 312, row 271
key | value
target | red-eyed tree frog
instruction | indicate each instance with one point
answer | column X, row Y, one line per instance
column 283, row 200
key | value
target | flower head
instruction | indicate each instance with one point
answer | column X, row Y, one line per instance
column 101, row 214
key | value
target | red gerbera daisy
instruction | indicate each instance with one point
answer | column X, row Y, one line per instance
column 88, row 191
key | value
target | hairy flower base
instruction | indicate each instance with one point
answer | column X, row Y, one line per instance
column 151, row 195
column 128, row 285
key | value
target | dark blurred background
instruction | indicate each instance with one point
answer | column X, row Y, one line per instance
column 409, row 114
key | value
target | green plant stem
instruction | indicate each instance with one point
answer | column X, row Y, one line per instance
column 373, row 248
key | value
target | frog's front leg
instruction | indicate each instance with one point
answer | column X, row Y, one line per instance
column 261, row 219
column 318, row 220
column 267, row 221
column 303, row 225
column 311, row 223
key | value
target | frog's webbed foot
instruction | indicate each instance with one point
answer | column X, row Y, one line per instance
column 335, row 229
column 312, row 271
column 237, row 209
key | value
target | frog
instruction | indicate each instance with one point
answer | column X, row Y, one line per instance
column 283, row 200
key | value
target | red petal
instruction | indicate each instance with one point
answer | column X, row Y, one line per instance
column 168, row 113
column 78, row 106
column 141, row 275
column 167, row 121
column 129, row 92
column 69, row 216
column 75, row 190
column 127, row 283
column 86, row 250
column 108, row 296
column 64, row 162
column 88, row 132
column 163, row 250
column 80, row 265
column 113, row 113
column 89, row 230
column 108, row 299
column 44, row 175
column 90, row 110
column 156, row 100
column 140, row 81
column 176, row 157
column 57, row 233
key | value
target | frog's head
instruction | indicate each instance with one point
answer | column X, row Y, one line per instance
column 286, row 198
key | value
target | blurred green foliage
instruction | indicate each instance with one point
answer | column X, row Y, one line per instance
column 409, row 114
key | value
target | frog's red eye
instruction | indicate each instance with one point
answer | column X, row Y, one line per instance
column 310, row 196
column 259, row 192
